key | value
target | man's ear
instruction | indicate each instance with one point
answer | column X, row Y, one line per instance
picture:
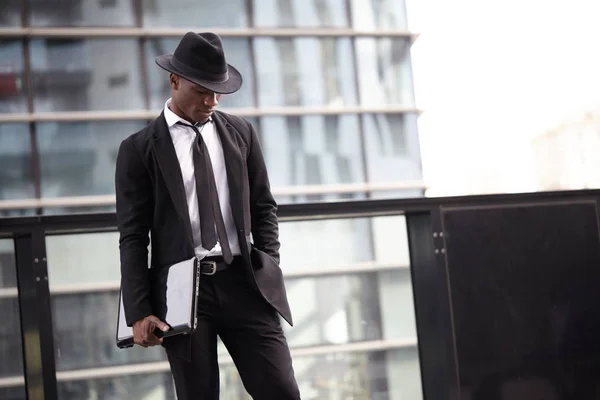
column 174, row 80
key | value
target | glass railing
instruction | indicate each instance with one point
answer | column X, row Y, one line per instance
column 370, row 285
column 348, row 283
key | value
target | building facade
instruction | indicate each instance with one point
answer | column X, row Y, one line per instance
column 565, row 157
column 327, row 84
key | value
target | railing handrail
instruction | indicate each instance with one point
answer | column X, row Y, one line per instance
column 89, row 222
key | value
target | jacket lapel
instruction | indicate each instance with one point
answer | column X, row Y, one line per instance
column 171, row 172
column 233, row 166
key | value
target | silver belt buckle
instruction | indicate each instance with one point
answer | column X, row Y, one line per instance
column 213, row 264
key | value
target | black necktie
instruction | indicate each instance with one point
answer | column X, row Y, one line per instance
column 208, row 199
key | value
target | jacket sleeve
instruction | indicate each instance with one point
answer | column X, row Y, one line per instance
column 134, row 212
column 263, row 208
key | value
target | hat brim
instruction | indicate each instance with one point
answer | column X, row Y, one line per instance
column 231, row 85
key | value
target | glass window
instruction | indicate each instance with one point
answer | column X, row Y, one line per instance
column 16, row 181
column 351, row 308
column 237, row 53
column 82, row 12
column 10, row 16
column 378, row 14
column 300, row 13
column 13, row 98
column 12, row 393
column 392, row 146
column 83, row 258
column 305, row 71
column 191, row 13
column 16, row 178
column 8, row 267
column 338, row 242
column 157, row 386
column 85, row 337
column 86, row 74
column 11, row 349
column 389, row 375
column 79, row 158
column 385, row 75
column 311, row 150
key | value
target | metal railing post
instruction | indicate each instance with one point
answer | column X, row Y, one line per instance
column 36, row 318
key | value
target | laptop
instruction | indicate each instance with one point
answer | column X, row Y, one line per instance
column 174, row 300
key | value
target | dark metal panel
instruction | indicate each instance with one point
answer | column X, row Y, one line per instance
column 432, row 306
column 524, row 280
column 36, row 320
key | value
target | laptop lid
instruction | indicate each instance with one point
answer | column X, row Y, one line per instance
column 174, row 301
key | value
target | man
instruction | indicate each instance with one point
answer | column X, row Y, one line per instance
column 196, row 180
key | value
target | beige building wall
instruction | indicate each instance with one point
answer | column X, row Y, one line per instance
column 567, row 157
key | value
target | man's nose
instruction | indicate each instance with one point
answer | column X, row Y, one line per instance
column 212, row 100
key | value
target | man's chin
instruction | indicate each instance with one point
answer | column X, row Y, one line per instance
column 204, row 115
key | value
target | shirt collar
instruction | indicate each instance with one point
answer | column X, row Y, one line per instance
column 173, row 118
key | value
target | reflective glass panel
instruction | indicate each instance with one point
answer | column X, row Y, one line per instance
column 351, row 308
column 374, row 304
column 311, row 150
column 378, row 14
column 78, row 158
column 13, row 97
column 381, row 375
column 81, row 12
column 393, row 154
column 332, row 243
column 81, row 259
column 11, row 349
column 85, row 336
column 384, row 70
column 337, row 243
column 10, row 15
column 16, row 180
column 305, row 71
column 157, row 386
column 237, row 53
column 300, row 13
column 195, row 15
column 12, row 393
column 86, row 74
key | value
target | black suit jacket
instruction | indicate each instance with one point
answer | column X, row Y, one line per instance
column 151, row 200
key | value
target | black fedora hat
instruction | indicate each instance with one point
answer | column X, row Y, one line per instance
column 200, row 59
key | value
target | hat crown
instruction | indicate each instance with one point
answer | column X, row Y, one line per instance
column 202, row 52
column 200, row 59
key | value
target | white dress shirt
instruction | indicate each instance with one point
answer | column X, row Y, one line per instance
column 183, row 140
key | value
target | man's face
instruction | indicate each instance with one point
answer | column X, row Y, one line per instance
column 195, row 102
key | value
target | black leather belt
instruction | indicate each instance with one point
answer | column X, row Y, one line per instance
column 212, row 265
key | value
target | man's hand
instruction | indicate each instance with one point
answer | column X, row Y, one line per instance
column 143, row 331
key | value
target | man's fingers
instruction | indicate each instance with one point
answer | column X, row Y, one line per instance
column 152, row 340
column 144, row 331
column 158, row 324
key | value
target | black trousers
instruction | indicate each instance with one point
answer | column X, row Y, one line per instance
column 250, row 330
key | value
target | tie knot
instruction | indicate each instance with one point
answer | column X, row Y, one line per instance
column 195, row 125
